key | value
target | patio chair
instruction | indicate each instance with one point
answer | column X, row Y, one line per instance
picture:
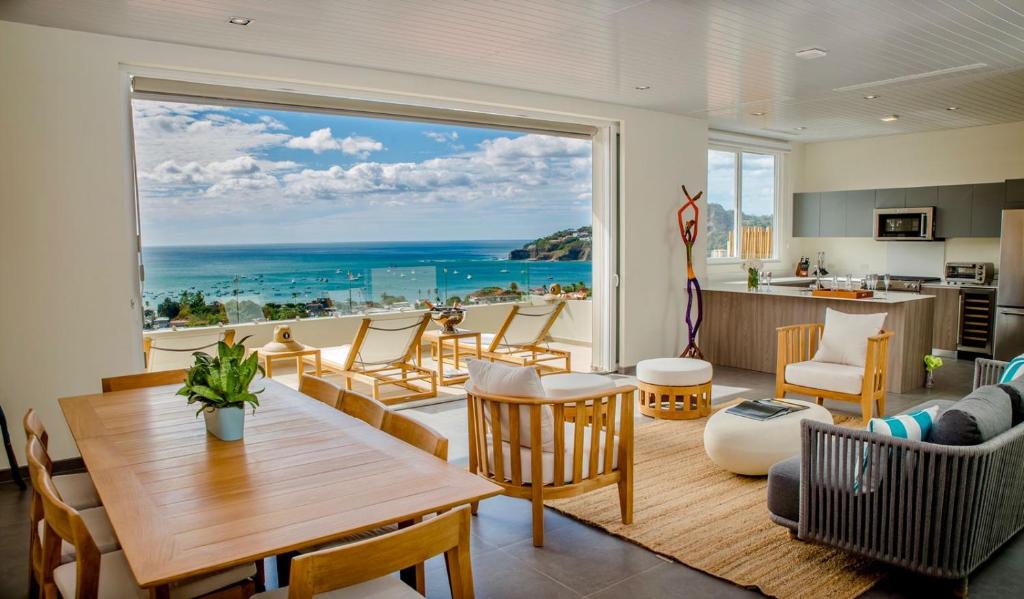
column 521, row 340
column 382, row 356
column 172, row 352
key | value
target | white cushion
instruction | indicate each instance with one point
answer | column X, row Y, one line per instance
column 573, row 384
column 485, row 341
column 845, row 339
column 548, row 457
column 77, row 490
column 824, row 375
column 492, row 378
column 336, row 355
column 674, row 372
column 117, row 581
column 102, row 532
column 385, row 587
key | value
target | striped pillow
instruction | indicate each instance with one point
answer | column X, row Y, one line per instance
column 1014, row 370
column 914, row 426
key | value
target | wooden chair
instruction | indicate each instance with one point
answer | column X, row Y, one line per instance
column 798, row 343
column 142, row 380
column 361, row 569
column 382, row 355
column 365, row 408
column 321, row 390
column 171, row 352
column 94, row 574
column 589, row 441
column 416, row 433
column 521, row 340
column 76, row 489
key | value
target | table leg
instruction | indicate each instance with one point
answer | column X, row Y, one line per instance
column 479, row 348
column 419, row 355
column 319, row 364
column 268, row 368
column 11, row 459
column 160, row 592
column 299, row 367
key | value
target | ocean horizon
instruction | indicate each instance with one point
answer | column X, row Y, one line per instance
column 343, row 271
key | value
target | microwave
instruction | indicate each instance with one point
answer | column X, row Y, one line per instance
column 904, row 224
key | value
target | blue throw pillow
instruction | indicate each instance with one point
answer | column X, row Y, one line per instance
column 914, row 426
column 1014, row 370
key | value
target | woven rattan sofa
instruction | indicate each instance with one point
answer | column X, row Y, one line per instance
column 939, row 510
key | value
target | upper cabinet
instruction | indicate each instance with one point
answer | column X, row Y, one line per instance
column 832, row 221
column 922, row 196
column 952, row 210
column 859, row 213
column 806, row 210
column 1014, row 194
column 987, row 209
column 891, row 198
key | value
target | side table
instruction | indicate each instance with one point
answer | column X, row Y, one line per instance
column 268, row 357
column 438, row 340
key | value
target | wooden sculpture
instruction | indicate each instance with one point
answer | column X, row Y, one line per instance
column 688, row 231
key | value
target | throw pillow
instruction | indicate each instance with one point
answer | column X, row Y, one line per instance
column 1014, row 370
column 492, row 378
column 984, row 414
column 845, row 339
column 914, row 426
column 1015, row 389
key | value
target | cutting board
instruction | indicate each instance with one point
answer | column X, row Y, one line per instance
column 843, row 293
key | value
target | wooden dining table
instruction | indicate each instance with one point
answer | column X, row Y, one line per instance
column 184, row 503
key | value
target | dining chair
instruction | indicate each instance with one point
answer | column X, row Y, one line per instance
column 365, row 408
column 321, row 390
column 143, row 380
column 95, row 520
column 75, row 489
column 416, row 433
column 94, row 574
column 361, row 569
column 521, row 339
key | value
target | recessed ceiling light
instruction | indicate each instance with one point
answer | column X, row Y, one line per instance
column 871, row 97
column 953, row 108
column 800, row 128
column 891, row 118
column 809, row 53
column 642, row 88
column 240, row 21
column 758, row 113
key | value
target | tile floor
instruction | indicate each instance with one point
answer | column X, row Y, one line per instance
column 577, row 560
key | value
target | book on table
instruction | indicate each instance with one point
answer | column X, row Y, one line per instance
column 764, row 409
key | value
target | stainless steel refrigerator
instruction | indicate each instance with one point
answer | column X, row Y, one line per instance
column 1010, row 298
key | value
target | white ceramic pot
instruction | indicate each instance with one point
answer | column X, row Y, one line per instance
column 227, row 424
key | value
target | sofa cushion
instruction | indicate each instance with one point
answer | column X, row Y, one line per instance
column 845, row 339
column 824, row 375
column 575, row 384
column 784, row 489
column 1015, row 389
column 982, row 415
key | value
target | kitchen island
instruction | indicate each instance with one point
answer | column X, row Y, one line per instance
column 739, row 326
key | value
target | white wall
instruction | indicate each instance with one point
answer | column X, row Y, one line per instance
column 66, row 237
column 950, row 157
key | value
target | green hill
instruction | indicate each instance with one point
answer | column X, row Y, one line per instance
column 567, row 245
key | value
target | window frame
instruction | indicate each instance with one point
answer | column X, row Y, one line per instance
column 739, row 150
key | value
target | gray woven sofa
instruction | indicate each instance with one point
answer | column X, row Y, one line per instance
column 939, row 510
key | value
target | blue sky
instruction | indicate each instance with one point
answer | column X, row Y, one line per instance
column 758, row 181
column 222, row 175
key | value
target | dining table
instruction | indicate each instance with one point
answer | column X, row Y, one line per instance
column 184, row 503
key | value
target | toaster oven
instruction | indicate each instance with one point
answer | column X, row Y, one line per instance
column 969, row 273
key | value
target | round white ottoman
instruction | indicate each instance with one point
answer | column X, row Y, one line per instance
column 674, row 388
column 747, row 446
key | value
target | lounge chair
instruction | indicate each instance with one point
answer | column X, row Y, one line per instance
column 521, row 340
column 173, row 352
column 382, row 354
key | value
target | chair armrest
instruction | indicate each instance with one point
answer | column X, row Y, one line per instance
column 988, row 372
column 797, row 343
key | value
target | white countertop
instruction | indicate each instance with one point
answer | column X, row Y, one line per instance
column 893, row 297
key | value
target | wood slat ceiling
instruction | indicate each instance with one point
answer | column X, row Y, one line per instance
column 721, row 60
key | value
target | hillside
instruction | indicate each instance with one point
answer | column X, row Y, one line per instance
column 567, row 245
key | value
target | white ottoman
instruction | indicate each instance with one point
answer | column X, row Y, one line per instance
column 674, row 388
column 747, row 446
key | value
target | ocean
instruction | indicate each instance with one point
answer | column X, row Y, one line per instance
column 360, row 272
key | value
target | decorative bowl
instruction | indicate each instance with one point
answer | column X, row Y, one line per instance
column 448, row 318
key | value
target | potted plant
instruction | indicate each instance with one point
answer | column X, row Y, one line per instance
column 753, row 269
column 930, row 364
column 221, row 385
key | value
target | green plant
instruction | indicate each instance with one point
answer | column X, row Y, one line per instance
column 932, row 362
column 222, row 381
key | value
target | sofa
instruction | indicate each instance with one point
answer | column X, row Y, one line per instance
column 938, row 509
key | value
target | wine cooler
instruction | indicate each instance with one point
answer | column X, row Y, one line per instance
column 977, row 312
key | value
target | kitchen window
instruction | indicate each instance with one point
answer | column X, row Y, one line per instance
column 742, row 198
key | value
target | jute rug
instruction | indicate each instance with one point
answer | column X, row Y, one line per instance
column 690, row 510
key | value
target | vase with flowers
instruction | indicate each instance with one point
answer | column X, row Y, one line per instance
column 931, row 363
column 753, row 269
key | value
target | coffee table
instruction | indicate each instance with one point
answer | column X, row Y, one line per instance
column 747, row 446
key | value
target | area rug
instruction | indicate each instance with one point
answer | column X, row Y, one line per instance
column 692, row 511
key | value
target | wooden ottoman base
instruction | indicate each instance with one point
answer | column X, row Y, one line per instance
column 675, row 403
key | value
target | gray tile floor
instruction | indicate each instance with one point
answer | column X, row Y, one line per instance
column 578, row 560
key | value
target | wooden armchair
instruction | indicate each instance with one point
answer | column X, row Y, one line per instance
column 521, row 340
column 566, row 451
column 795, row 371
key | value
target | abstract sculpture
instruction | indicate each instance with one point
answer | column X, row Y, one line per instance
column 688, row 231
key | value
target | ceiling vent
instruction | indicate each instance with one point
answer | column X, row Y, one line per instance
column 913, row 77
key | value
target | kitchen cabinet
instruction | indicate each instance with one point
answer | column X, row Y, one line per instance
column 952, row 210
column 860, row 207
column 922, row 196
column 832, row 214
column 946, row 324
column 987, row 209
column 806, row 211
column 891, row 198
column 1014, row 194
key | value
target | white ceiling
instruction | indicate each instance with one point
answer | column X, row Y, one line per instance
column 721, row 60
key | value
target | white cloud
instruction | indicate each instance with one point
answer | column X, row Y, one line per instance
column 442, row 137
column 322, row 140
column 214, row 178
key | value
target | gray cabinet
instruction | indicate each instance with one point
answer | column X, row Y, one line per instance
column 952, row 210
column 860, row 207
column 987, row 209
column 891, row 198
column 921, row 196
column 833, row 214
column 806, row 210
column 1014, row 194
